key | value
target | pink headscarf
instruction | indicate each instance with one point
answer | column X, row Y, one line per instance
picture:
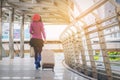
column 36, row 17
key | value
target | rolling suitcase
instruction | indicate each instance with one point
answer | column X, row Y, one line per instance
column 47, row 60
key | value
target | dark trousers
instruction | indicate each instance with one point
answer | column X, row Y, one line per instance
column 37, row 51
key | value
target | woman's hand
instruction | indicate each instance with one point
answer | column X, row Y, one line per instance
column 45, row 41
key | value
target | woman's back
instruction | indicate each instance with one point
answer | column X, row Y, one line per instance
column 37, row 30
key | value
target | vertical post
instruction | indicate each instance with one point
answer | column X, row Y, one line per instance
column 0, row 29
column 68, row 50
column 65, row 49
column 104, row 52
column 11, row 43
column 82, row 51
column 31, row 52
column 90, row 51
column 103, row 48
column 22, row 38
column 75, row 51
column 71, row 49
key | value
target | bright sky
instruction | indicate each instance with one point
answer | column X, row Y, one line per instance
column 84, row 4
column 53, row 31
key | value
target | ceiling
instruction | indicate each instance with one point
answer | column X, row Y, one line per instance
column 51, row 11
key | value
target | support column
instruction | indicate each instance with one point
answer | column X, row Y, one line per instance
column 103, row 48
column 22, row 38
column 90, row 51
column 66, row 50
column 75, row 51
column 104, row 52
column 64, row 44
column 0, row 29
column 31, row 52
column 82, row 52
column 11, row 43
column 72, row 52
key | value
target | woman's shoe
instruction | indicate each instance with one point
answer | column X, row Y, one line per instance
column 38, row 60
column 37, row 67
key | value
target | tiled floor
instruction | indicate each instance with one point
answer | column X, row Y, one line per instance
column 23, row 69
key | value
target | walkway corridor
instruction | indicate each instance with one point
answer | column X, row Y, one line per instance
column 23, row 69
column 87, row 32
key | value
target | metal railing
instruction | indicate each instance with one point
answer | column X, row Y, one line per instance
column 91, row 48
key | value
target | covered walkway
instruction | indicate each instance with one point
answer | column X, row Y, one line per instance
column 83, row 34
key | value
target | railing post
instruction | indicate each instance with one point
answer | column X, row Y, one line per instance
column 31, row 52
column 82, row 52
column 64, row 41
column 65, row 49
column 90, row 53
column 71, row 52
column 104, row 52
column 75, row 52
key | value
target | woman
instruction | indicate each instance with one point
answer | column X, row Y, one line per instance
column 38, row 37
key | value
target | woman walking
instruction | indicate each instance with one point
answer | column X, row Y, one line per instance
column 38, row 37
